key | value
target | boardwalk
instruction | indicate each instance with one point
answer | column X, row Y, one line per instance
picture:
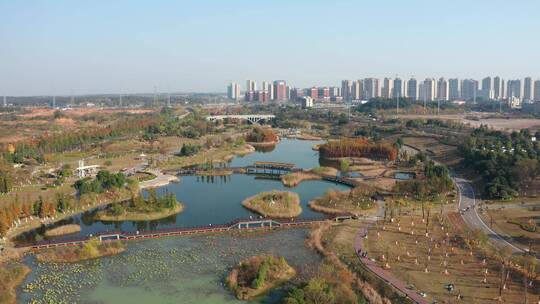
column 237, row 225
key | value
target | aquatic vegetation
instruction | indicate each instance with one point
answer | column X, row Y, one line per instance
column 165, row 268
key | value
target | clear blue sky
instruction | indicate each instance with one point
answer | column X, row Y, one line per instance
column 64, row 47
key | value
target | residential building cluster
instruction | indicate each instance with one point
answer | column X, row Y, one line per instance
column 513, row 91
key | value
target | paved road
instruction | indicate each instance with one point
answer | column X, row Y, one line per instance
column 467, row 199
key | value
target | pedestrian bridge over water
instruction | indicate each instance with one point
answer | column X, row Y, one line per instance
column 252, row 118
column 238, row 225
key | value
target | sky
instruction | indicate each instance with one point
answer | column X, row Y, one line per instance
column 69, row 47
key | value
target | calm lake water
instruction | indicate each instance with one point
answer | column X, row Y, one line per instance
column 185, row 269
column 213, row 200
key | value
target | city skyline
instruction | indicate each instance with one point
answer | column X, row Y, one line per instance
column 514, row 91
column 64, row 48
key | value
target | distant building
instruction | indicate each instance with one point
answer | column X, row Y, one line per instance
column 83, row 171
column 280, row 90
column 412, row 89
column 250, row 96
column 313, row 92
column 268, row 87
column 357, row 89
column 398, row 88
column 323, row 93
column 306, row 101
column 233, row 91
column 372, row 88
column 346, row 89
column 537, row 90
column 528, row 89
column 514, row 102
column 513, row 89
column 251, row 85
column 334, row 92
column 430, row 89
column 443, row 92
column 297, row 93
column 387, row 88
column 487, row 92
column 454, row 89
column 498, row 88
column 469, row 89
column 262, row 96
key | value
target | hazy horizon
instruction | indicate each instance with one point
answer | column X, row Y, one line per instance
column 100, row 47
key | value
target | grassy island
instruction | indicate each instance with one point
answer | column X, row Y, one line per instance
column 92, row 249
column 257, row 275
column 274, row 204
column 357, row 201
column 64, row 229
column 11, row 276
column 140, row 209
column 262, row 137
column 294, row 178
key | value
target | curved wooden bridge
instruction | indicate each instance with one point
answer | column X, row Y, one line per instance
column 249, row 224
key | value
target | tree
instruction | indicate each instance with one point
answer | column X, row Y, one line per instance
column 6, row 177
column 4, row 224
column 296, row 296
column 503, row 256
column 319, row 292
column 344, row 165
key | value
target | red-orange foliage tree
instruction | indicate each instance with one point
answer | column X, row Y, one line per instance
column 358, row 147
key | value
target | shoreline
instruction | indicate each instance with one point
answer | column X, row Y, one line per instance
column 35, row 223
column 263, row 144
column 160, row 181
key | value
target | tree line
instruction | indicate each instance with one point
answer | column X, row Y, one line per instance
column 358, row 147
column 505, row 162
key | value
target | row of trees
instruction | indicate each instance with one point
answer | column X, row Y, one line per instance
column 358, row 147
column 39, row 208
column 505, row 162
column 104, row 181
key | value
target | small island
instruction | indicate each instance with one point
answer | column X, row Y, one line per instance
column 92, row 249
column 261, row 137
column 139, row 209
column 355, row 201
column 62, row 230
column 294, row 178
column 282, row 204
column 257, row 275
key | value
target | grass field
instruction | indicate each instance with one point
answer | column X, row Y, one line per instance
column 506, row 219
column 406, row 256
